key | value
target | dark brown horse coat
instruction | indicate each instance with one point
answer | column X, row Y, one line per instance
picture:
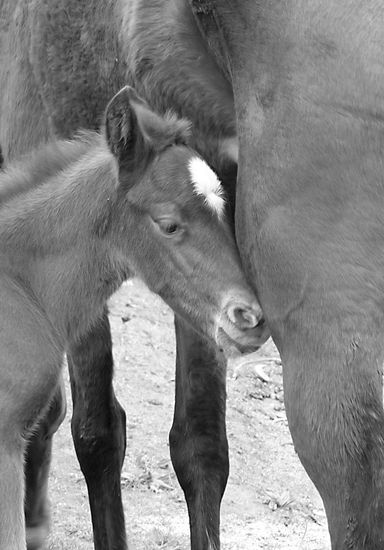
column 307, row 81
column 75, row 55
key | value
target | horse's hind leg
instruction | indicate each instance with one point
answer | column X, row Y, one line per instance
column 98, row 429
column 198, row 441
column 37, row 464
column 333, row 395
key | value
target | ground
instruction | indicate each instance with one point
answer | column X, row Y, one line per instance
column 269, row 502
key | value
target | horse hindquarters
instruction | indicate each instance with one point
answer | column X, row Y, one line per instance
column 98, row 430
column 198, row 441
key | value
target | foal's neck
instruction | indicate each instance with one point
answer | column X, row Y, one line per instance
column 50, row 243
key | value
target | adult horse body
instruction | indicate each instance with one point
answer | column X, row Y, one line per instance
column 308, row 82
column 307, row 79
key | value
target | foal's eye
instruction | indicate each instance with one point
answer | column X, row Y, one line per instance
column 169, row 228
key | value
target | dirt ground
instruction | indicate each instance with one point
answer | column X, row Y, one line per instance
column 269, row 502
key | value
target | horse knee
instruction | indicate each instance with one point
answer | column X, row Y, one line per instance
column 178, row 453
column 183, row 458
column 37, row 465
column 36, row 536
column 198, row 457
column 99, row 440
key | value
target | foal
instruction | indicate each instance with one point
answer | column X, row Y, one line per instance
column 77, row 219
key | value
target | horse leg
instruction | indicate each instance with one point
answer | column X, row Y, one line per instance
column 37, row 464
column 98, row 429
column 333, row 397
column 198, row 441
column 12, row 528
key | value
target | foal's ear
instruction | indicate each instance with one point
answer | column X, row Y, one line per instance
column 133, row 131
column 161, row 131
column 122, row 130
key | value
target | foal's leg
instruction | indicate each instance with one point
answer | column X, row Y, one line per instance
column 198, row 441
column 98, row 429
column 30, row 367
column 12, row 531
column 37, row 463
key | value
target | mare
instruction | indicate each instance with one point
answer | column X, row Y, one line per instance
column 76, row 219
column 308, row 80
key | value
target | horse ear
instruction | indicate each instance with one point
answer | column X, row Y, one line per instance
column 123, row 132
column 161, row 131
column 133, row 131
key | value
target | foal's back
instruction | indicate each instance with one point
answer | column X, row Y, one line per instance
column 35, row 168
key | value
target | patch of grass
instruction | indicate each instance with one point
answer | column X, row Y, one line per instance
column 162, row 538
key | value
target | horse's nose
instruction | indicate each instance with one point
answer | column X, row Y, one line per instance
column 245, row 315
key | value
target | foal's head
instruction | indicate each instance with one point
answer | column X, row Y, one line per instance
column 171, row 224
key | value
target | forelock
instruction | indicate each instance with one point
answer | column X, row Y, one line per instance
column 207, row 184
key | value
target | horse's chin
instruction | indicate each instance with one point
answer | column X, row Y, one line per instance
column 232, row 347
column 234, row 340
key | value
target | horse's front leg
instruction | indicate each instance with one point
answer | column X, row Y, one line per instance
column 98, row 429
column 198, row 441
column 37, row 465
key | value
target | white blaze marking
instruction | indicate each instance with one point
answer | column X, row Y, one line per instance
column 207, row 184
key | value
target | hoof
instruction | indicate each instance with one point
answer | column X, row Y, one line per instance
column 37, row 537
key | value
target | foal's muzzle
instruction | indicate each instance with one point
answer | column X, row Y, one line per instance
column 243, row 322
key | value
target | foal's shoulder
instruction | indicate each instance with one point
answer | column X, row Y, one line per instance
column 27, row 337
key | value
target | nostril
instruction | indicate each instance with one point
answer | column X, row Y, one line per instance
column 248, row 318
column 261, row 323
column 242, row 317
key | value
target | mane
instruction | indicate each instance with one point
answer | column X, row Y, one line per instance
column 35, row 168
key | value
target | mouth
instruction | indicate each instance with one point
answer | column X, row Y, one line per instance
column 230, row 337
